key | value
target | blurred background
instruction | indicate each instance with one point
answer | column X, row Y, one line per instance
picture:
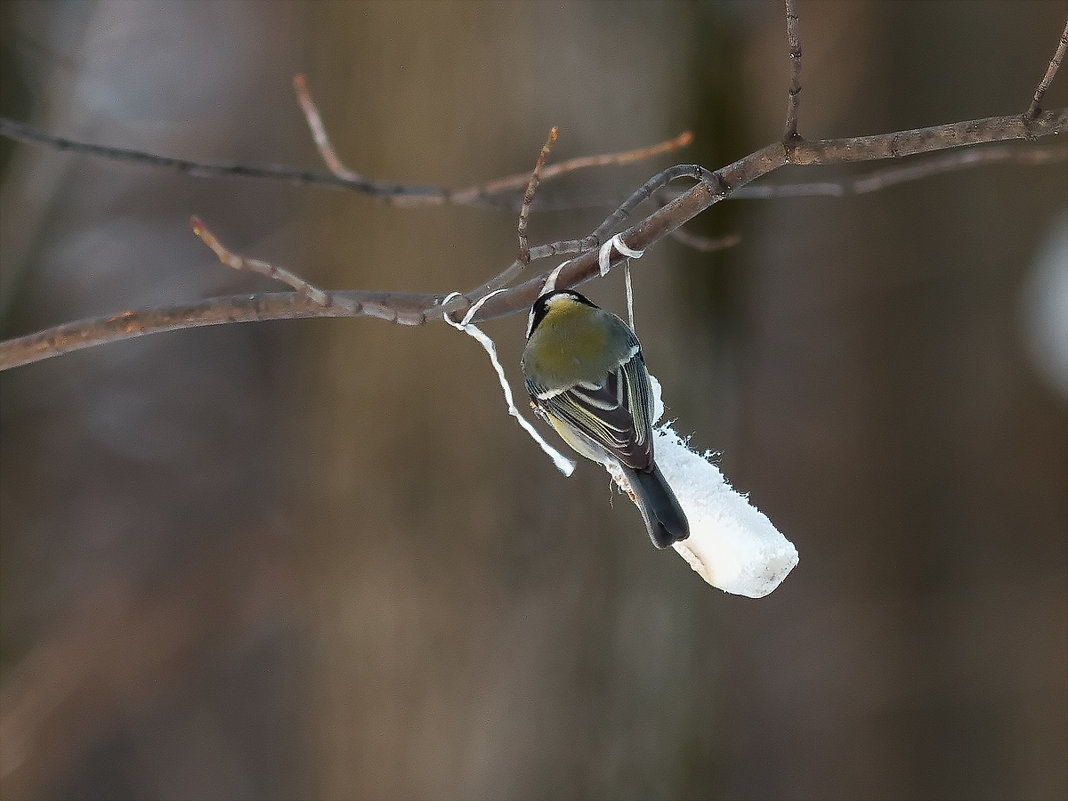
column 317, row 559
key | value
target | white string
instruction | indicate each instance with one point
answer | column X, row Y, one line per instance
column 563, row 464
column 630, row 294
column 604, row 256
column 550, row 281
column 604, row 261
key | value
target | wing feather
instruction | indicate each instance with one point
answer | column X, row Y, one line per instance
column 616, row 413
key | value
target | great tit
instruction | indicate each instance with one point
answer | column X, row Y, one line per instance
column 584, row 371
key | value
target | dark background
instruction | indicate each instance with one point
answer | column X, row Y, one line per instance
column 317, row 559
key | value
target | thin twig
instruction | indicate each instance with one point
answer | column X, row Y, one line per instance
column 492, row 192
column 705, row 244
column 21, row 132
column 643, row 193
column 605, row 160
column 602, row 233
column 396, row 194
column 793, row 94
column 479, row 193
column 318, row 132
column 528, row 196
column 264, row 268
column 952, row 162
column 406, row 308
column 1051, row 70
column 868, row 181
column 417, row 309
column 930, row 140
column 884, row 177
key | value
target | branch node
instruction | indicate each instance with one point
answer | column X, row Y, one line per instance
column 721, row 186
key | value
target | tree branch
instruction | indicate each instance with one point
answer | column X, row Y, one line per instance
column 405, row 308
column 924, row 166
column 241, row 263
column 884, row 177
column 473, row 194
column 409, row 308
column 391, row 193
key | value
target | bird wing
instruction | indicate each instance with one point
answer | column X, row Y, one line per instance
column 615, row 413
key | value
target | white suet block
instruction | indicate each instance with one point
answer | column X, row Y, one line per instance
column 732, row 544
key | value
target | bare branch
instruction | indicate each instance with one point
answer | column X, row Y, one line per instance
column 528, row 196
column 399, row 307
column 1051, row 70
column 885, row 177
column 606, row 160
column 21, row 132
column 932, row 139
column 479, row 193
column 318, row 132
column 243, row 263
column 706, row 244
column 600, row 235
column 395, row 194
column 419, row 308
column 647, row 190
column 869, row 181
column 793, row 94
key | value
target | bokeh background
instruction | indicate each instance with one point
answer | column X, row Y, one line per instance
column 317, row 559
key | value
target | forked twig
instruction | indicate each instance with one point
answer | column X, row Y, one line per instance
column 419, row 308
column 643, row 193
column 478, row 193
column 684, row 139
column 261, row 267
column 491, row 194
column 862, row 182
column 602, row 233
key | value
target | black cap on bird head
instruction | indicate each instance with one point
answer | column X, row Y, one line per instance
column 541, row 305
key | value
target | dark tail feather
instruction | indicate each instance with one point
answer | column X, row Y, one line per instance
column 660, row 509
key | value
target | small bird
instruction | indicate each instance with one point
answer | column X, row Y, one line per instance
column 584, row 371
